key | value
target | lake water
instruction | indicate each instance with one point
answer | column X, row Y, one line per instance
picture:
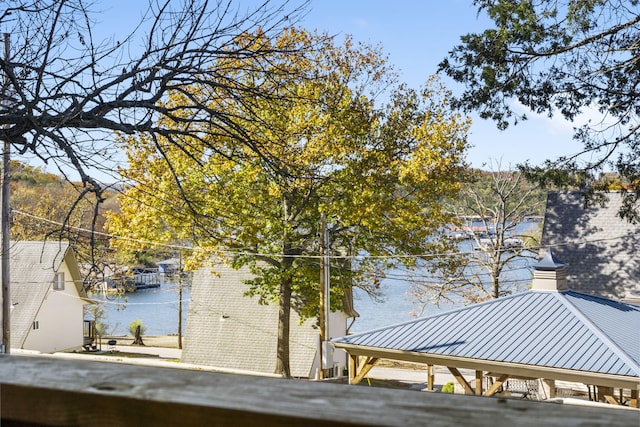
column 158, row 308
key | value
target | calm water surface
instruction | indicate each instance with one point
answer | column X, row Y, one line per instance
column 158, row 308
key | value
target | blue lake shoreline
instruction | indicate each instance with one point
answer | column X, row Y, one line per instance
column 158, row 308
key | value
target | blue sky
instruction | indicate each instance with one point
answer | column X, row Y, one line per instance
column 416, row 35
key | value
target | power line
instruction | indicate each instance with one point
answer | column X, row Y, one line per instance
column 310, row 256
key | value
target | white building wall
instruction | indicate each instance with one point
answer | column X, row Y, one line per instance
column 59, row 319
column 337, row 358
column 338, row 328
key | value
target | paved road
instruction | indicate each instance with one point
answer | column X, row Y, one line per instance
column 162, row 352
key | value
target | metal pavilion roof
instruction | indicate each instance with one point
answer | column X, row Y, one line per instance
column 553, row 329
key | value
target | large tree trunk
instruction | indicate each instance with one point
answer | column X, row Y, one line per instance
column 284, row 326
column 284, row 303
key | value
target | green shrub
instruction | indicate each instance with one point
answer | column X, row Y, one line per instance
column 448, row 388
column 134, row 325
column 101, row 328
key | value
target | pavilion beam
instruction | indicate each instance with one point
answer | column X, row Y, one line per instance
column 549, row 387
column 634, row 399
column 513, row 369
column 353, row 365
column 461, row 380
column 496, row 385
column 363, row 369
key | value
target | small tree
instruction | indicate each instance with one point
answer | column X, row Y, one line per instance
column 96, row 312
column 137, row 329
column 498, row 202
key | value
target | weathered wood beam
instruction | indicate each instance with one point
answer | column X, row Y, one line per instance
column 634, row 399
column 496, row 385
column 461, row 380
column 479, row 383
column 38, row 391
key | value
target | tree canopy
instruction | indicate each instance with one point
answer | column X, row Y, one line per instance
column 490, row 257
column 376, row 167
column 560, row 58
column 45, row 206
column 65, row 90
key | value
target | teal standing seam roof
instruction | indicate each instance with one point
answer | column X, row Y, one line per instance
column 566, row 329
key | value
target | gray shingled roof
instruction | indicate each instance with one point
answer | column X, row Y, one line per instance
column 559, row 330
column 32, row 269
column 599, row 248
column 229, row 330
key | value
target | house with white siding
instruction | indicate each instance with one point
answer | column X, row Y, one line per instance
column 47, row 297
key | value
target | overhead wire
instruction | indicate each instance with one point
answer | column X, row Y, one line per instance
column 425, row 256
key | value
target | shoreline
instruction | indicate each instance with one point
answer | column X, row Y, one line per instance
column 164, row 341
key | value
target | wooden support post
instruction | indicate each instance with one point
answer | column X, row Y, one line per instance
column 479, row 376
column 496, row 385
column 364, row 368
column 548, row 387
column 353, row 367
column 634, row 399
column 5, row 222
column 461, row 380
column 430, row 377
column 323, row 298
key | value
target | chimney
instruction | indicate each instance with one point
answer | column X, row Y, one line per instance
column 549, row 274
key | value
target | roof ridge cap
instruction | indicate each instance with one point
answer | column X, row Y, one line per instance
column 633, row 364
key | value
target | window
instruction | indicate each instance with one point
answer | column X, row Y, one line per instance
column 36, row 325
column 58, row 282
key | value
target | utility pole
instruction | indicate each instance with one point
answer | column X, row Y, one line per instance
column 5, row 224
column 325, row 306
column 180, row 301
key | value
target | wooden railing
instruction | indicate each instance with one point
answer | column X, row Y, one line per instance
column 48, row 391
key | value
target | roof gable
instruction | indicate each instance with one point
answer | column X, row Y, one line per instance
column 227, row 329
column 32, row 270
column 564, row 330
